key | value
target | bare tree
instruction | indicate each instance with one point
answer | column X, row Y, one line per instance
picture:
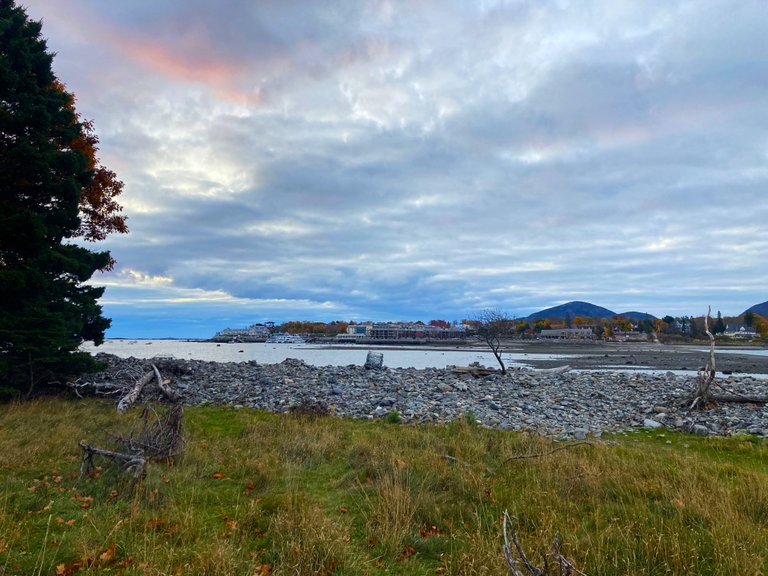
column 703, row 395
column 493, row 326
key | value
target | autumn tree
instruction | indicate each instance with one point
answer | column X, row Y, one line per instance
column 760, row 325
column 52, row 190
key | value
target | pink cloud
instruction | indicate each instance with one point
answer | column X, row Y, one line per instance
column 187, row 68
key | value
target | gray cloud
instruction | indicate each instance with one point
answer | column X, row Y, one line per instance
column 418, row 160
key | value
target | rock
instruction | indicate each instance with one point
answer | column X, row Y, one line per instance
column 580, row 433
column 700, row 430
column 374, row 361
column 564, row 404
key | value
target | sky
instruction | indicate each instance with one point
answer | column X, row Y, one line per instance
column 425, row 159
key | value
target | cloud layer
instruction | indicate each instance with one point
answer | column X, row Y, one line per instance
column 419, row 160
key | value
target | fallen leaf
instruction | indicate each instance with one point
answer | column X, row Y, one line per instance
column 108, row 555
column 231, row 524
column 408, row 551
column 343, row 509
column 154, row 523
column 431, row 531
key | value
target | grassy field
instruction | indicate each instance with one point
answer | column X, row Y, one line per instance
column 258, row 494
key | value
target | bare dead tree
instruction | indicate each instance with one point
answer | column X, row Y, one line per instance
column 493, row 326
column 703, row 395
column 518, row 563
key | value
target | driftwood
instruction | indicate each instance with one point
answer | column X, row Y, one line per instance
column 169, row 392
column 130, row 394
column 159, row 435
column 476, row 371
column 549, row 452
column 704, row 395
column 135, row 462
column 128, row 400
column 554, row 371
column 517, row 565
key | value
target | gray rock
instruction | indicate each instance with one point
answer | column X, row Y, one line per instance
column 651, row 424
column 374, row 361
column 580, row 433
column 700, row 430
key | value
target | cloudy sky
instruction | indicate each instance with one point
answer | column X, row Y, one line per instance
column 423, row 159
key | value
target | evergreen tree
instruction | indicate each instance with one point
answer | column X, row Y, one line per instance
column 46, row 309
column 719, row 324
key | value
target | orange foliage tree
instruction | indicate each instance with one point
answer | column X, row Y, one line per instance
column 100, row 213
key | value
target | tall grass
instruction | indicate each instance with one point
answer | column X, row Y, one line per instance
column 258, row 493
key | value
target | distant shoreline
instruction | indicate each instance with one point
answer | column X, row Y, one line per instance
column 581, row 355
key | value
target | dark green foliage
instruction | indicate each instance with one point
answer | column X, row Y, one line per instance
column 393, row 417
column 719, row 324
column 46, row 311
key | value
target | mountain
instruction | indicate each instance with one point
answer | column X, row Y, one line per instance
column 638, row 316
column 573, row 309
column 761, row 309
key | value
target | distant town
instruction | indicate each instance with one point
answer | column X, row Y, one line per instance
column 572, row 321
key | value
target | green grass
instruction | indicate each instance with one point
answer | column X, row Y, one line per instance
column 257, row 493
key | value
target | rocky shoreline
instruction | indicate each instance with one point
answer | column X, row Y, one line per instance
column 569, row 405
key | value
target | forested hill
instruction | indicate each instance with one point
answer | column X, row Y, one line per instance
column 573, row 309
column 761, row 309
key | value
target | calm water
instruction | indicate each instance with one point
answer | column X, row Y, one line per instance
column 311, row 354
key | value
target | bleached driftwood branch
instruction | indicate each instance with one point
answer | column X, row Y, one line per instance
column 170, row 393
column 516, row 565
column 130, row 393
column 133, row 395
column 703, row 394
column 554, row 371
column 135, row 463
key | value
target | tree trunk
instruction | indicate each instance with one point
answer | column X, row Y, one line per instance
column 128, row 400
column 707, row 374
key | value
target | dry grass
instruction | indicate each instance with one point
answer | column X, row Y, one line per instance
column 296, row 494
